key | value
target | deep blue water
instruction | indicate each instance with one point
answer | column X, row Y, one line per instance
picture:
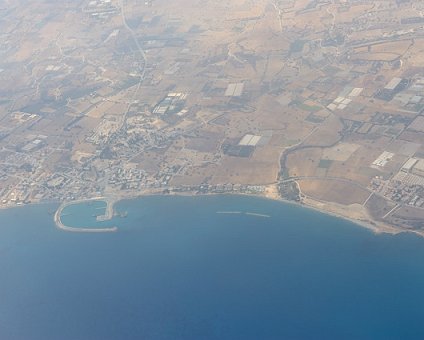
column 178, row 270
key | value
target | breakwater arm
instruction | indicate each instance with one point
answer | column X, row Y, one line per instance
column 108, row 215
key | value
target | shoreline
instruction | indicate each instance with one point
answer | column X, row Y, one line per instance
column 334, row 209
column 374, row 226
column 327, row 208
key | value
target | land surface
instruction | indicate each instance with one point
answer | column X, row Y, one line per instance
column 315, row 102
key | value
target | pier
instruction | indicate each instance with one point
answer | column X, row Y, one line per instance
column 108, row 212
column 107, row 216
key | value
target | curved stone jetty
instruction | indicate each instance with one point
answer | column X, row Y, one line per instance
column 107, row 216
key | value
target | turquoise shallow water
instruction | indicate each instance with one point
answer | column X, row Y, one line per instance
column 178, row 270
column 85, row 215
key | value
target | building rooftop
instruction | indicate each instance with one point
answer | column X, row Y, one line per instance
column 393, row 83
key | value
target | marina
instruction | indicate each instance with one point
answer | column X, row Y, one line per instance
column 108, row 215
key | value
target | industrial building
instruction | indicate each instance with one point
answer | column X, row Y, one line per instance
column 234, row 90
column 418, row 168
column 383, row 159
column 250, row 140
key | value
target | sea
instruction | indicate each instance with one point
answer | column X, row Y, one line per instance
column 206, row 267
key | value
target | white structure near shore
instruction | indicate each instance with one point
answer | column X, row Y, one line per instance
column 107, row 216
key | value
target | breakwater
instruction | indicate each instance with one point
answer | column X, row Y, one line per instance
column 107, row 216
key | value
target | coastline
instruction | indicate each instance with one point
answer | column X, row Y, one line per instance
column 327, row 208
column 345, row 212
column 349, row 213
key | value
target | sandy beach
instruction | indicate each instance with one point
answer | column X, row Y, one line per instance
column 355, row 213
